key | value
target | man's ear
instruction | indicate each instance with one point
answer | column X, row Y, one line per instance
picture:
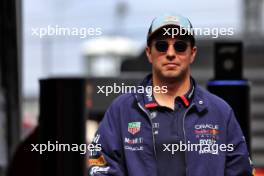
column 148, row 53
column 193, row 53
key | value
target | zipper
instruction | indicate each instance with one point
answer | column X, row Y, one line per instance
column 187, row 110
column 153, row 137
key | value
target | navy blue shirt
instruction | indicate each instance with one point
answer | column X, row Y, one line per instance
column 169, row 123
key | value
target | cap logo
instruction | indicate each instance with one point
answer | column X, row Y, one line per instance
column 171, row 19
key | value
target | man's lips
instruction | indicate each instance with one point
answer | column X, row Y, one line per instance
column 171, row 64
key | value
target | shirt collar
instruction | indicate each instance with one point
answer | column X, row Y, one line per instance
column 150, row 102
column 187, row 98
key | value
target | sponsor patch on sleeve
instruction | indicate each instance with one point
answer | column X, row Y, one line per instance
column 99, row 161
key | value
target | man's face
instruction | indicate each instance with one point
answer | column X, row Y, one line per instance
column 170, row 64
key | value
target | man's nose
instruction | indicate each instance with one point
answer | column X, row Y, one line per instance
column 170, row 53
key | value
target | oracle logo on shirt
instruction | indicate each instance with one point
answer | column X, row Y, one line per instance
column 206, row 126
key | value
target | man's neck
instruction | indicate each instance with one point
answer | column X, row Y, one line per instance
column 175, row 88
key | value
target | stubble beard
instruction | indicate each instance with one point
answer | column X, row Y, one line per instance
column 171, row 77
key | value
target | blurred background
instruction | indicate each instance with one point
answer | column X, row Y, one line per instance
column 117, row 52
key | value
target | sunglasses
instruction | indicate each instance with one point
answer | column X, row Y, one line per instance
column 163, row 45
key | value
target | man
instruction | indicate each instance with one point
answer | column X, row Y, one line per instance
column 184, row 130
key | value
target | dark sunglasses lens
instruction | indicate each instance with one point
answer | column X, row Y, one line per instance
column 161, row 46
column 180, row 46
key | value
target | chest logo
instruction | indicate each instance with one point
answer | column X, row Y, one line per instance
column 133, row 127
column 206, row 130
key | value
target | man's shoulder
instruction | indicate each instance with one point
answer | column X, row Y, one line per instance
column 212, row 99
column 123, row 100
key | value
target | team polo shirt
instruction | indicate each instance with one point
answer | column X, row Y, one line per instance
column 168, row 129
